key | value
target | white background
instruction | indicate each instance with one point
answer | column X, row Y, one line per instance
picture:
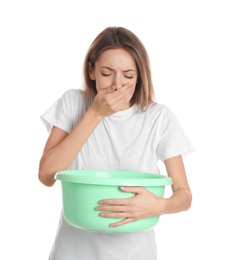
column 42, row 47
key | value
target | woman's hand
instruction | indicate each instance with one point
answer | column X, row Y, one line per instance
column 144, row 204
column 111, row 100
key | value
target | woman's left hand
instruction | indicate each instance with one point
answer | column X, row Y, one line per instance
column 144, row 204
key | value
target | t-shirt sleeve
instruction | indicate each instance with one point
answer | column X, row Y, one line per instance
column 59, row 114
column 173, row 139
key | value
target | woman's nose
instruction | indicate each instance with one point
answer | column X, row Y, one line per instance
column 119, row 82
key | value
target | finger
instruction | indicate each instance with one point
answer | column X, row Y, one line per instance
column 121, row 222
column 120, row 97
column 124, row 90
column 116, row 97
column 111, row 208
column 114, row 201
column 132, row 189
column 106, row 90
column 114, row 214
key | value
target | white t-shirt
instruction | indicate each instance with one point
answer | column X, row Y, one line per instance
column 126, row 140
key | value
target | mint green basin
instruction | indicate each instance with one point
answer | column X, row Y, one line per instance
column 83, row 189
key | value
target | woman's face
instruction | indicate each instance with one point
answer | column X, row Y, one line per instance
column 115, row 67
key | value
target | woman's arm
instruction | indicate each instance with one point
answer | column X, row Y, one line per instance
column 146, row 204
column 182, row 197
column 61, row 148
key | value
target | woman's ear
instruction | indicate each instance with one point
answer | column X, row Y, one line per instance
column 91, row 72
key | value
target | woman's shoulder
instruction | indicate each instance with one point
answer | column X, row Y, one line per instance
column 77, row 100
column 158, row 112
column 158, row 108
column 76, row 95
column 72, row 93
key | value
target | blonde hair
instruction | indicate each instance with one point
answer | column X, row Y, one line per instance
column 119, row 37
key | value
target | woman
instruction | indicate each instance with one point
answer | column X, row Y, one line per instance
column 114, row 123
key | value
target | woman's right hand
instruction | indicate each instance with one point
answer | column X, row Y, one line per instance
column 111, row 100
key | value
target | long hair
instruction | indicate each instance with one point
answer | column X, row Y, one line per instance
column 119, row 37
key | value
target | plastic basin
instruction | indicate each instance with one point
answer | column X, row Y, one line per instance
column 83, row 189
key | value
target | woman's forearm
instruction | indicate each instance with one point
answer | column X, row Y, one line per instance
column 180, row 201
column 181, row 198
column 62, row 154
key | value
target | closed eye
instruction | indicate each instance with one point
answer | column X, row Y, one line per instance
column 105, row 74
